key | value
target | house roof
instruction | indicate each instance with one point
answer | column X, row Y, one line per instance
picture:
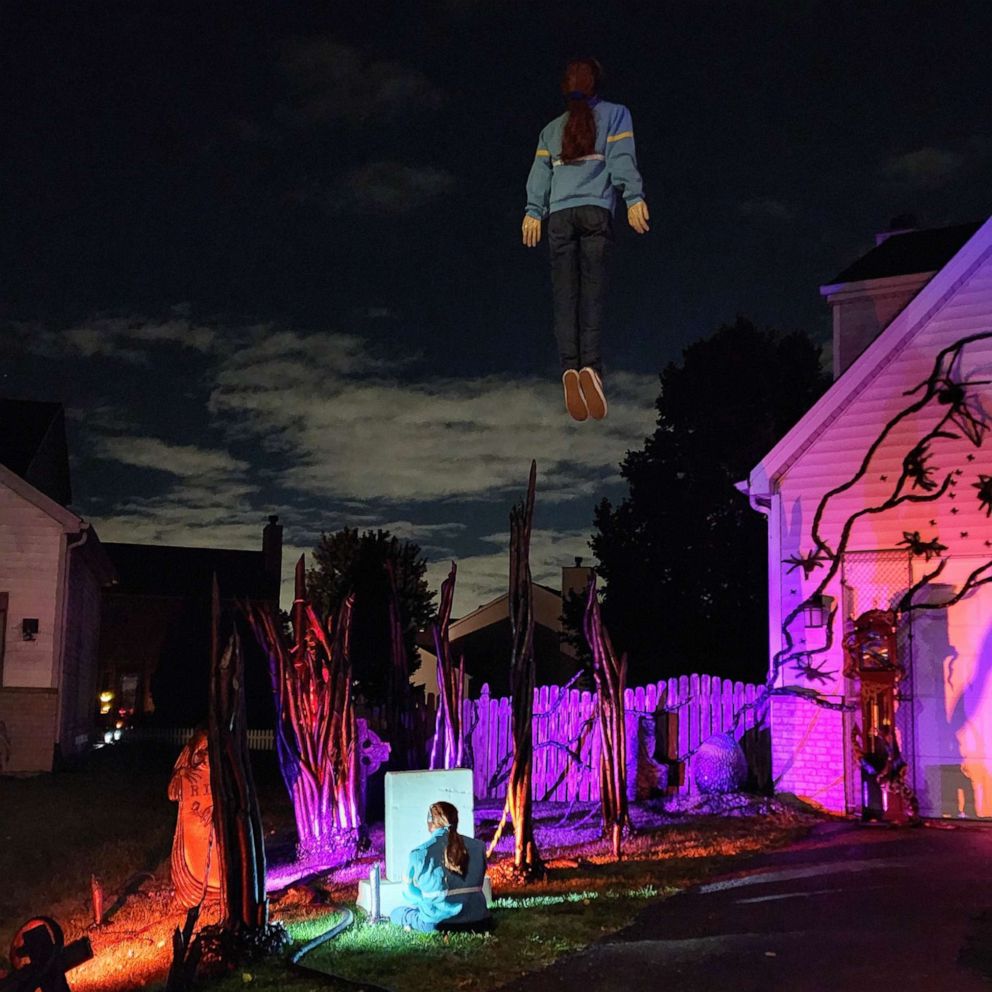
column 67, row 520
column 908, row 253
column 25, row 427
column 874, row 358
column 164, row 570
column 14, row 481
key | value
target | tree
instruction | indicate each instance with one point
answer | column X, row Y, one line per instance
column 683, row 555
column 349, row 563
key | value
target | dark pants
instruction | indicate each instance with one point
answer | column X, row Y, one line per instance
column 581, row 242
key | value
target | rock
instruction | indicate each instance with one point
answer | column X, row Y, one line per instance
column 719, row 766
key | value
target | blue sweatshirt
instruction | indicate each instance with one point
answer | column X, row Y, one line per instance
column 441, row 894
column 594, row 180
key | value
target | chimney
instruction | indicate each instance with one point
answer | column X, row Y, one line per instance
column 867, row 295
column 574, row 578
column 272, row 554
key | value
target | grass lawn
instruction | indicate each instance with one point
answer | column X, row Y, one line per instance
column 113, row 819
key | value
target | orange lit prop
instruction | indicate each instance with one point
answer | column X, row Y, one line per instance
column 195, row 864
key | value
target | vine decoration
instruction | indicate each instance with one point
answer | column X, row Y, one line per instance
column 918, row 482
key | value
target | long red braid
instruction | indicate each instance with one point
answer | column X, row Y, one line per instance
column 455, row 853
column 582, row 76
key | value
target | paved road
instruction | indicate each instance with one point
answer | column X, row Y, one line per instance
column 851, row 907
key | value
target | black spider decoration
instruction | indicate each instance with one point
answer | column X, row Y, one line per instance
column 809, row 563
column 914, row 467
column 922, row 549
column 984, row 487
column 966, row 415
column 812, row 672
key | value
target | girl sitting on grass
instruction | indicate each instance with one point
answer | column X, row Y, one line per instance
column 444, row 877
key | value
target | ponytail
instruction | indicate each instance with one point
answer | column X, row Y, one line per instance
column 456, row 853
column 579, row 85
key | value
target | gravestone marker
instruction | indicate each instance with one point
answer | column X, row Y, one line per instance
column 193, row 846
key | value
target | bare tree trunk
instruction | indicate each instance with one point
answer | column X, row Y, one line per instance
column 449, row 740
column 236, row 816
column 611, row 681
column 399, row 708
column 526, row 860
column 315, row 732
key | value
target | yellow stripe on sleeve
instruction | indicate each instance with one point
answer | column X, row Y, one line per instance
column 543, row 153
column 620, row 136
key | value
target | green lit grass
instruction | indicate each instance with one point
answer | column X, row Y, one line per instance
column 535, row 925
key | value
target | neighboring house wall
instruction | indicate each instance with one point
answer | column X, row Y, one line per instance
column 947, row 729
column 47, row 682
column 78, row 688
column 31, row 552
column 31, row 549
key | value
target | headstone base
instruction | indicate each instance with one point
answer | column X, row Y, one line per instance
column 391, row 895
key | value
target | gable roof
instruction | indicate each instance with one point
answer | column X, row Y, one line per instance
column 68, row 520
column 908, row 253
column 876, row 356
column 29, row 428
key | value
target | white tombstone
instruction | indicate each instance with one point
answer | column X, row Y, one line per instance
column 409, row 796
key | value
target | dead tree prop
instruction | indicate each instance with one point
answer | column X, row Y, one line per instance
column 237, row 820
column 315, row 731
column 449, row 741
column 611, row 681
column 526, row 860
column 399, row 699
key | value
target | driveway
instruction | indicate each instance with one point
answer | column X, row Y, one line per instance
column 850, row 907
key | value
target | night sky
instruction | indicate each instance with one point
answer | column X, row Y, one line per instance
column 268, row 255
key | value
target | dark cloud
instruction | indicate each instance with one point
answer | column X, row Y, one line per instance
column 925, row 168
column 337, row 82
column 767, row 208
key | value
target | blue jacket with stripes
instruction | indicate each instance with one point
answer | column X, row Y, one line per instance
column 593, row 180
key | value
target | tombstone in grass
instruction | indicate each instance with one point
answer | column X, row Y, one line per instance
column 646, row 777
column 372, row 752
column 409, row 796
column 195, row 861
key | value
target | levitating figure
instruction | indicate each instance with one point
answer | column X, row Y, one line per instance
column 584, row 159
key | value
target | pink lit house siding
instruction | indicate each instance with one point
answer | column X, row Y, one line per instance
column 944, row 721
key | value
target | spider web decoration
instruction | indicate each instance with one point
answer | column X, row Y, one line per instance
column 966, row 412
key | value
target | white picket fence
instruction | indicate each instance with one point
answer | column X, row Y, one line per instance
column 258, row 740
column 703, row 705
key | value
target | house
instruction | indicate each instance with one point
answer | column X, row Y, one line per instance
column 155, row 637
column 484, row 639
column 52, row 568
column 878, row 505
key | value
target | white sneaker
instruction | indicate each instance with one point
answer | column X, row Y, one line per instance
column 592, row 393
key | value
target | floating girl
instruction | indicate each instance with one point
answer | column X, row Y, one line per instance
column 584, row 159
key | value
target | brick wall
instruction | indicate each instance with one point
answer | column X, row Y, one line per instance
column 808, row 751
column 27, row 742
